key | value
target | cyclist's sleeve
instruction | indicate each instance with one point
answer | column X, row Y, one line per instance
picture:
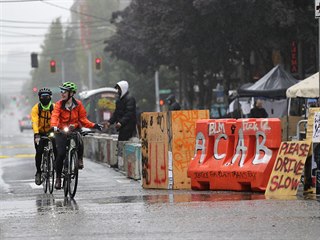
column 35, row 118
column 83, row 117
column 54, row 122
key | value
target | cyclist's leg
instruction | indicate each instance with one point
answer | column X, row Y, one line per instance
column 53, row 140
column 61, row 141
column 38, row 159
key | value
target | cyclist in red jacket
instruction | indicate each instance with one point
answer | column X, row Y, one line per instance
column 68, row 112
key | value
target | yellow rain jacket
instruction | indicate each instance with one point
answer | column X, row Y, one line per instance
column 41, row 118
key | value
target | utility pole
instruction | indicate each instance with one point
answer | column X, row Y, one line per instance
column 156, row 83
column 317, row 15
column 90, row 69
column 62, row 71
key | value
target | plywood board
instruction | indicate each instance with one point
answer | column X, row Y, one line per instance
column 182, row 138
column 154, row 150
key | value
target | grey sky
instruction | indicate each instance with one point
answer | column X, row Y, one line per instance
column 18, row 40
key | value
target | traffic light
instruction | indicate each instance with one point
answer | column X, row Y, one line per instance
column 161, row 102
column 35, row 89
column 34, row 60
column 98, row 63
column 52, row 66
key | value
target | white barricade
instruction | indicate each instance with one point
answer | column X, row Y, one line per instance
column 132, row 160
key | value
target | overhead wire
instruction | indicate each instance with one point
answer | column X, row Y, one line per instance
column 95, row 43
column 18, row 1
column 74, row 11
column 71, row 10
column 46, row 23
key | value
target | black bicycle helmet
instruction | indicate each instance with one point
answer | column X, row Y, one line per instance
column 69, row 86
column 44, row 91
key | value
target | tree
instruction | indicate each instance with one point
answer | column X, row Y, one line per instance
column 204, row 39
column 52, row 49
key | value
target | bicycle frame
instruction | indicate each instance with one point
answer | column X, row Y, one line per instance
column 47, row 164
column 70, row 165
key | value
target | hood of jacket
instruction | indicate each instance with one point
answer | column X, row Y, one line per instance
column 124, row 86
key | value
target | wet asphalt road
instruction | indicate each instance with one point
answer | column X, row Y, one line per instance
column 110, row 206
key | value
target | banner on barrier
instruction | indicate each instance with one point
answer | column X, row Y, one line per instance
column 288, row 168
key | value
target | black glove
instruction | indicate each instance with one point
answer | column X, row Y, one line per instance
column 37, row 138
column 98, row 126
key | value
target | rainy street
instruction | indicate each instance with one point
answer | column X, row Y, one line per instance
column 202, row 94
column 110, row 206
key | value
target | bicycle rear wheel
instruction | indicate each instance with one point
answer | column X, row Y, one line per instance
column 73, row 173
column 44, row 170
column 50, row 176
column 65, row 176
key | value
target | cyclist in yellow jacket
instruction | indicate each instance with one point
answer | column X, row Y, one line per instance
column 40, row 117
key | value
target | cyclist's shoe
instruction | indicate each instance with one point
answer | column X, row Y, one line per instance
column 80, row 164
column 58, row 183
column 38, row 179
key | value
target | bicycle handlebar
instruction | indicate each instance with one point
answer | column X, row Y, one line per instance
column 68, row 131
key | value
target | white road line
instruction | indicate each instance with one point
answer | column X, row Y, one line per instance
column 124, row 181
column 3, row 184
column 35, row 186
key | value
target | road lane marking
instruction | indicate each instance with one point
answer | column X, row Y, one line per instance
column 24, row 155
column 35, row 186
column 3, row 184
column 18, row 156
column 18, row 146
column 124, row 181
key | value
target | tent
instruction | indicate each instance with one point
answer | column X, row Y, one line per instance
column 272, row 85
column 307, row 88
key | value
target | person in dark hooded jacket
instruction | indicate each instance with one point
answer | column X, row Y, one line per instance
column 172, row 103
column 124, row 116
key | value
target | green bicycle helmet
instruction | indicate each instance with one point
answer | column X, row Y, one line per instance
column 69, row 86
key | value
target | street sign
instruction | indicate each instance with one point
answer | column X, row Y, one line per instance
column 317, row 8
column 167, row 91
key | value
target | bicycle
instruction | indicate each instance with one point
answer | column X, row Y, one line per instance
column 47, row 164
column 70, row 170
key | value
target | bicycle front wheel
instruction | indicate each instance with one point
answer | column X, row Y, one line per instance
column 44, row 170
column 50, row 176
column 73, row 173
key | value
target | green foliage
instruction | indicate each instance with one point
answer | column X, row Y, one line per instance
column 195, row 44
column 204, row 39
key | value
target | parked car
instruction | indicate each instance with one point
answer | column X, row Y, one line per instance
column 25, row 123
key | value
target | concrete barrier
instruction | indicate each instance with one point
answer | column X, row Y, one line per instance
column 88, row 146
column 132, row 159
column 120, row 155
column 162, row 157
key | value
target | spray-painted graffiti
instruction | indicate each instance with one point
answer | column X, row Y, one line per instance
column 153, row 150
column 230, row 149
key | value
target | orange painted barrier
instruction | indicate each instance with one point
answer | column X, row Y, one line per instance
column 234, row 154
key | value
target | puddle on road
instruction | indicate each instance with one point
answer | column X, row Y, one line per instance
column 200, row 197
column 181, row 198
column 45, row 203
